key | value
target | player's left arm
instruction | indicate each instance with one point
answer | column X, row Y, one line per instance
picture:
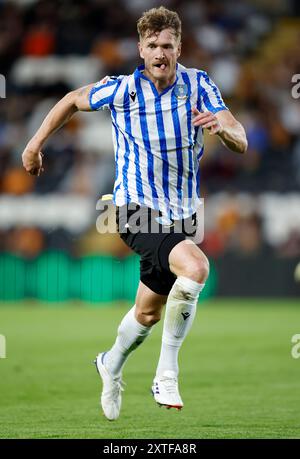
column 223, row 124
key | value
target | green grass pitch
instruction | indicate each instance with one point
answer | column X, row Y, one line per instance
column 237, row 376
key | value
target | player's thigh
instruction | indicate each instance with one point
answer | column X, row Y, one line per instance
column 148, row 305
column 187, row 259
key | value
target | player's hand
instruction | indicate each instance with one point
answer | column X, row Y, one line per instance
column 33, row 161
column 207, row 120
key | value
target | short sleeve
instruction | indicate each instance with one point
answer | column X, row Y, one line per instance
column 102, row 93
column 210, row 98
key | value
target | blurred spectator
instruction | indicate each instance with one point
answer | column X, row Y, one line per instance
column 16, row 181
column 39, row 41
column 248, row 236
column 25, row 242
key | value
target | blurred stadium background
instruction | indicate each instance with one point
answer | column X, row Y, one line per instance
column 252, row 203
column 50, row 250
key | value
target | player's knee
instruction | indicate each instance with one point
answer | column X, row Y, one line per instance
column 148, row 319
column 197, row 269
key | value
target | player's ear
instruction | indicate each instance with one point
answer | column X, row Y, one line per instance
column 179, row 50
column 141, row 50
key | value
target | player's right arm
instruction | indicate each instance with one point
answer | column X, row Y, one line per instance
column 77, row 100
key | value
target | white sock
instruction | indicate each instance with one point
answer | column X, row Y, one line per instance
column 130, row 335
column 180, row 313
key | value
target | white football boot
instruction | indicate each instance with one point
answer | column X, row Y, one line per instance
column 165, row 390
column 111, row 398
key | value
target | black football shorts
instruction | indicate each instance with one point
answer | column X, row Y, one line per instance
column 150, row 236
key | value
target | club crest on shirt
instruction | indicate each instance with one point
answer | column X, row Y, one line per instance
column 181, row 91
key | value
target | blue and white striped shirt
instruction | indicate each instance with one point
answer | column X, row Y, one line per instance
column 157, row 148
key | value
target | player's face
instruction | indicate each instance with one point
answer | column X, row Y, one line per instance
column 160, row 52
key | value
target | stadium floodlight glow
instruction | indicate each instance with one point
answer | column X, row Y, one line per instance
column 2, row 87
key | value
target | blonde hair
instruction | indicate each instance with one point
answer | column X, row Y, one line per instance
column 158, row 19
